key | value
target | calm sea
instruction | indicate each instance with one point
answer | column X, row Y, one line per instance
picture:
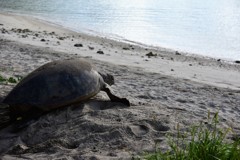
column 205, row 27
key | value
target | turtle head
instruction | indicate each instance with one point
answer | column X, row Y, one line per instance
column 107, row 78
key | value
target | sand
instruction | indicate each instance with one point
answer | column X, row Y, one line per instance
column 166, row 88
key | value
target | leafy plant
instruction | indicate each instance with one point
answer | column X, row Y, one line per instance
column 2, row 79
column 207, row 142
column 10, row 79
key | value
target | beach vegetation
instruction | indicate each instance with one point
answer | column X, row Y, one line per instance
column 9, row 80
column 204, row 141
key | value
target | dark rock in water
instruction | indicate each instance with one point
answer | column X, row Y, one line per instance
column 43, row 40
column 78, row 45
column 100, row 52
column 219, row 60
column 1, row 24
column 172, row 70
column 237, row 61
column 150, row 54
column 177, row 53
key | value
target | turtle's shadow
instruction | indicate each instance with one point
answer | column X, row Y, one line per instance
column 104, row 105
column 80, row 108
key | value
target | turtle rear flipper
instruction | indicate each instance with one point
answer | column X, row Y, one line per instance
column 22, row 124
column 115, row 98
column 26, row 119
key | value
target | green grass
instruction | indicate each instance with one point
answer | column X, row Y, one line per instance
column 207, row 142
column 9, row 80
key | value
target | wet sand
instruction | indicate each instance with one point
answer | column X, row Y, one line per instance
column 165, row 87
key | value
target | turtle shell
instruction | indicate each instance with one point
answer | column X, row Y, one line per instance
column 55, row 84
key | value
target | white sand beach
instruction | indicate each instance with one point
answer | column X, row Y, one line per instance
column 165, row 88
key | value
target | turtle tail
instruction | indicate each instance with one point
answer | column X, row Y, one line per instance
column 5, row 119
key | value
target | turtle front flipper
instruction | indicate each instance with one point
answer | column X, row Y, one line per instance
column 115, row 98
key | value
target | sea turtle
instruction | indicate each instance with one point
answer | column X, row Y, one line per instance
column 57, row 84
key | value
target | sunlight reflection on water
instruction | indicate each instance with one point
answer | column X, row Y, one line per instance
column 206, row 27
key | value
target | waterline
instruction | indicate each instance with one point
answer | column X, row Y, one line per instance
column 208, row 28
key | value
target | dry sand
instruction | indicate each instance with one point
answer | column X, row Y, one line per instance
column 165, row 89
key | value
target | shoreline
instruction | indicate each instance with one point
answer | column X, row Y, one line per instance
column 165, row 61
column 117, row 38
column 162, row 88
column 201, row 69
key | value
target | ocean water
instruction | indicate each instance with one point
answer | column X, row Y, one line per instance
column 206, row 27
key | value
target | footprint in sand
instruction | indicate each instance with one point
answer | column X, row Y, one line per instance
column 143, row 129
column 158, row 126
column 138, row 130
